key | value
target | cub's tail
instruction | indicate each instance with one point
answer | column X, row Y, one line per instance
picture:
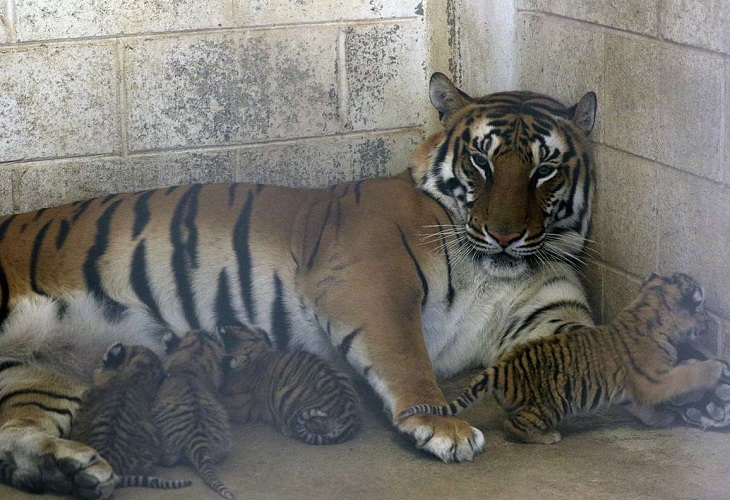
column 200, row 458
column 482, row 385
column 151, row 482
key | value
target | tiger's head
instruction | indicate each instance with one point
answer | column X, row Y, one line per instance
column 677, row 301
column 199, row 353
column 513, row 170
column 133, row 364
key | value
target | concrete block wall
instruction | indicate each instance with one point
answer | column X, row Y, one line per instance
column 662, row 143
column 99, row 97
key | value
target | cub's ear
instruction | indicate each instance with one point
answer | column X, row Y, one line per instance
column 583, row 114
column 446, row 98
column 115, row 356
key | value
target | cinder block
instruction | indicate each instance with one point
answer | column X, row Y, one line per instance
column 86, row 18
column 571, row 66
column 619, row 290
column 726, row 164
column 285, row 11
column 57, row 100
column 694, row 233
column 702, row 23
column 6, row 189
column 4, row 22
column 218, row 89
column 664, row 102
column 625, row 208
column 171, row 169
column 478, row 43
column 50, row 183
column 723, row 346
column 639, row 16
column 386, row 75
column 713, row 342
column 322, row 162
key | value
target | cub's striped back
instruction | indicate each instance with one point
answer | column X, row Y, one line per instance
column 297, row 392
column 116, row 415
column 193, row 425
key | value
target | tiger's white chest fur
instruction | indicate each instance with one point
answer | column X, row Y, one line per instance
column 474, row 329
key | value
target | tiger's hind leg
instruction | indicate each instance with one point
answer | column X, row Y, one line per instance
column 529, row 426
column 37, row 405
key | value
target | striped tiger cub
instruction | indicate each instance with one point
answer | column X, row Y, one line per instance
column 193, row 424
column 297, row 392
column 633, row 359
column 116, row 415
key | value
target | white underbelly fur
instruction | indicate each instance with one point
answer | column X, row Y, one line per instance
column 74, row 342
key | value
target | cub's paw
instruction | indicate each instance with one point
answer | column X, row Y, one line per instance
column 449, row 438
column 37, row 462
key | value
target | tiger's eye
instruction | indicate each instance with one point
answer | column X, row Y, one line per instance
column 480, row 161
column 544, row 170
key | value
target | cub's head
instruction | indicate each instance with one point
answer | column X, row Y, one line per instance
column 200, row 353
column 130, row 364
column 513, row 169
column 677, row 302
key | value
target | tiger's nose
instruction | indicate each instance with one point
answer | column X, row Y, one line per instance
column 503, row 239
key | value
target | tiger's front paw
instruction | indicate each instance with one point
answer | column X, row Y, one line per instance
column 707, row 409
column 449, row 438
column 37, row 462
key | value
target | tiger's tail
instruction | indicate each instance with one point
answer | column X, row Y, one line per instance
column 151, row 482
column 200, row 458
column 482, row 385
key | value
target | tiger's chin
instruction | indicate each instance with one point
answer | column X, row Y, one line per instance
column 504, row 266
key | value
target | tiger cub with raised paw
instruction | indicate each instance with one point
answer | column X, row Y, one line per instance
column 192, row 422
column 633, row 359
column 297, row 392
column 116, row 415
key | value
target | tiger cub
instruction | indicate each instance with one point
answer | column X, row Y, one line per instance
column 116, row 415
column 299, row 393
column 192, row 422
column 633, row 359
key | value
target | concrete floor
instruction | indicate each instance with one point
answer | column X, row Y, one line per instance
column 601, row 456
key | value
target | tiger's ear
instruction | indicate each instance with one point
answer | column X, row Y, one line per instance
column 445, row 97
column 115, row 356
column 583, row 114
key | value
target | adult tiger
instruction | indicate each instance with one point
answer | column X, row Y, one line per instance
column 502, row 194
